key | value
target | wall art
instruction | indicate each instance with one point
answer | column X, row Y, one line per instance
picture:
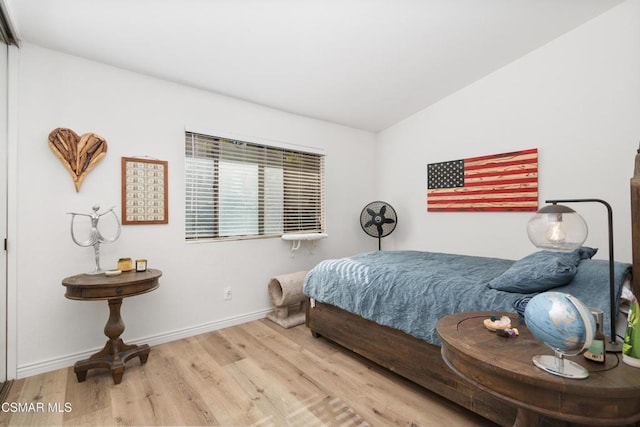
column 78, row 154
column 144, row 191
column 498, row 182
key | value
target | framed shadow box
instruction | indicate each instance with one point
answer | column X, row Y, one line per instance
column 144, row 191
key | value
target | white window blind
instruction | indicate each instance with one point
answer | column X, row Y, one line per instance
column 238, row 189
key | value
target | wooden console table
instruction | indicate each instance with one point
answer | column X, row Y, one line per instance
column 88, row 287
column 503, row 367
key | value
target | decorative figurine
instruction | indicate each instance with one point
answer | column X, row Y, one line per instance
column 95, row 237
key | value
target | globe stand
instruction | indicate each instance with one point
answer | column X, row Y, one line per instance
column 558, row 365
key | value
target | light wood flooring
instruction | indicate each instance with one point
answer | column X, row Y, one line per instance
column 255, row 374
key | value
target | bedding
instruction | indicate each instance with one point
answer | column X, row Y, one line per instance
column 537, row 272
column 411, row 290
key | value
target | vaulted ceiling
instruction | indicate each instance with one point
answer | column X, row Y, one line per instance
column 366, row 64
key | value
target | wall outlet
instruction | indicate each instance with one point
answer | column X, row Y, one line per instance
column 227, row 293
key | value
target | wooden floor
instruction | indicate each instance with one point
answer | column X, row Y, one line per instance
column 255, row 374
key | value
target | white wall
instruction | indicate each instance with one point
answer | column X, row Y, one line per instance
column 139, row 116
column 576, row 99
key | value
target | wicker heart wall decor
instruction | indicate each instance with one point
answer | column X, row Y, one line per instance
column 78, row 154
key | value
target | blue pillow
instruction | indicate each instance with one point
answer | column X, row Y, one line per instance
column 540, row 271
column 586, row 252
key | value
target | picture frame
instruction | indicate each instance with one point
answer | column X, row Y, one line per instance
column 144, row 191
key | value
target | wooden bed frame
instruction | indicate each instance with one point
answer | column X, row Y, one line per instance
column 410, row 357
column 422, row 362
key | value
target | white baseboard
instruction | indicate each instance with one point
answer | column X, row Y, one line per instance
column 68, row 360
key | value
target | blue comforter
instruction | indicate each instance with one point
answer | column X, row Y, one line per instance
column 411, row 290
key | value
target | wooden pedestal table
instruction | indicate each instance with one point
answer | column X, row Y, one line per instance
column 87, row 287
column 503, row 367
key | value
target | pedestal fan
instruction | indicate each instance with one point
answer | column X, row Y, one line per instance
column 378, row 219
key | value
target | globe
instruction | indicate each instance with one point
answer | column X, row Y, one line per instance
column 565, row 324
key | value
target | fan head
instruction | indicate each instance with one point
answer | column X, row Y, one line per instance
column 378, row 219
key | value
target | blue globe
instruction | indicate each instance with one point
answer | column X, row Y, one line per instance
column 561, row 321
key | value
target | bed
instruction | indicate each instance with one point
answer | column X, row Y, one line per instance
column 394, row 326
column 384, row 305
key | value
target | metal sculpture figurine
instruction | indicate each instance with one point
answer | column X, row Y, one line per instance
column 95, row 237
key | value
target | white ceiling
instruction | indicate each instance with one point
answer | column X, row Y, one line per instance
column 363, row 63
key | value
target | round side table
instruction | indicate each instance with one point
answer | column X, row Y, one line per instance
column 88, row 287
column 503, row 367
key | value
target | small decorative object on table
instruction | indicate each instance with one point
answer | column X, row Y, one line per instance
column 563, row 323
column 125, row 264
column 508, row 333
column 141, row 265
column 95, row 237
column 596, row 351
column 497, row 322
column 501, row 325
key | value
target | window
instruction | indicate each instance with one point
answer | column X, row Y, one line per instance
column 238, row 189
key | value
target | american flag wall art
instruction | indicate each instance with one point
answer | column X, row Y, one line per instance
column 499, row 182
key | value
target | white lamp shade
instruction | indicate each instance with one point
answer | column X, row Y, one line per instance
column 557, row 227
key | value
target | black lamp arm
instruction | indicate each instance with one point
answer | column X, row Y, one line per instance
column 612, row 300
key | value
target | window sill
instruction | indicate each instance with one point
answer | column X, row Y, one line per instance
column 296, row 238
column 304, row 236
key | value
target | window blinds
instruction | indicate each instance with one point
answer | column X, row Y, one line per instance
column 238, row 189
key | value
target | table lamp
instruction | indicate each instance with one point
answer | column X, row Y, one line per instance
column 560, row 228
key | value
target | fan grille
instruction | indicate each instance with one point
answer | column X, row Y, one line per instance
column 378, row 219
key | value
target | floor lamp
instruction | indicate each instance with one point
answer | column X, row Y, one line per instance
column 558, row 227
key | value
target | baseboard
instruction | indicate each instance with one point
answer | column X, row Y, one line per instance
column 68, row 360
